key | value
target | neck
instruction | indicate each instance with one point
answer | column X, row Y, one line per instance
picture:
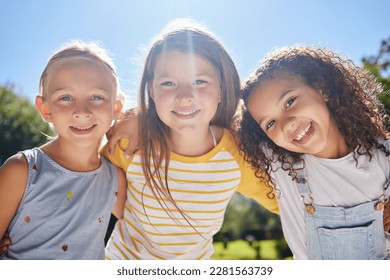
column 194, row 144
column 72, row 156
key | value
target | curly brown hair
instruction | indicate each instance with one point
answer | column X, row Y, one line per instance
column 353, row 103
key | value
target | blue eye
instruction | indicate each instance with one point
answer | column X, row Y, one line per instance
column 269, row 124
column 199, row 82
column 65, row 98
column 290, row 102
column 167, row 84
column 97, row 97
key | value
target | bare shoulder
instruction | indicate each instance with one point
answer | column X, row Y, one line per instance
column 13, row 180
column 14, row 173
column 15, row 165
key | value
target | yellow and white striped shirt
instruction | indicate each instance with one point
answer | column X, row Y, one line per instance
column 201, row 187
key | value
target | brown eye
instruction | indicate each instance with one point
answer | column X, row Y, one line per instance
column 290, row 102
column 270, row 124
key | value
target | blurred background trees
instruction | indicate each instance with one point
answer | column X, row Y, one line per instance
column 379, row 66
column 22, row 127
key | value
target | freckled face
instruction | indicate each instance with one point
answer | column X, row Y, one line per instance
column 294, row 116
column 186, row 91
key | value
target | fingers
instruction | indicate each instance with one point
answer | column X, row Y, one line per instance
column 130, row 149
column 386, row 219
column 387, row 225
column 4, row 244
column 112, row 142
column 125, row 127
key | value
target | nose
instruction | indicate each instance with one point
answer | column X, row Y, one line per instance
column 81, row 111
column 185, row 94
column 289, row 124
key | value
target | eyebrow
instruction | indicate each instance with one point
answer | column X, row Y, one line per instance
column 69, row 89
column 279, row 99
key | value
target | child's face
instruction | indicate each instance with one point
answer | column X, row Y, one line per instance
column 80, row 102
column 295, row 117
column 186, row 90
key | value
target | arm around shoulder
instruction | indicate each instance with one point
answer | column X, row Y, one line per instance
column 119, row 207
column 254, row 188
column 13, row 180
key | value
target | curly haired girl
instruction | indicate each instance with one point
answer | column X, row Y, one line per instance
column 312, row 128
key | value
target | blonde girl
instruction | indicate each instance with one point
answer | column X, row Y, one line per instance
column 56, row 200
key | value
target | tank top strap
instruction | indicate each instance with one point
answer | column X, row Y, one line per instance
column 213, row 135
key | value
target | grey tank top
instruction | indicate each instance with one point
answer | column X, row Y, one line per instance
column 63, row 214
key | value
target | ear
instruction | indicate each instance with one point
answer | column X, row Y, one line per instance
column 324, row 96
column 43, row 108
column 118, row 105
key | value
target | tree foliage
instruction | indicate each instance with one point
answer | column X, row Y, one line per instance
column 246, row 219
column 21, row 125
column 379, row 66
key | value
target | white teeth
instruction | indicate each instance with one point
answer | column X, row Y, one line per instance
column 303, row 133
column 186, row 113
column 82, row 127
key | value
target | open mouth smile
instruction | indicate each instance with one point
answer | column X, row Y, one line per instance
column 303, row 133
column 186, row 113
column 82, row 129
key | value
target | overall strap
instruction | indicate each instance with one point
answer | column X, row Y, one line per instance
column 299, row 174
column 386, row 189
column 384, row 198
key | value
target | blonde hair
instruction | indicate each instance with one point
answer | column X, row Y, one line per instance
column 75, row 52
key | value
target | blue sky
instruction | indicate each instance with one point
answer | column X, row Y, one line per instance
column 31, row 30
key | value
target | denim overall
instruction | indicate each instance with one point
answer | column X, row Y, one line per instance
column 342, row 233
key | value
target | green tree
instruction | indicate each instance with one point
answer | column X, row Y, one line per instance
column 21, row 125
column 245, row 217
column 379, row 66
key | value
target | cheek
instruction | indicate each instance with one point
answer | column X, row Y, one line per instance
column 160, row 98
column 209, row 97
column 275, row 137
column 322, row 114
column 60, row 110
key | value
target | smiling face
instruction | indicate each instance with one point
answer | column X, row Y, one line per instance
column 295, row 117
column 186, row 91
column 80, row 102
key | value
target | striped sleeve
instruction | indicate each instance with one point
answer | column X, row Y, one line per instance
column 118, row 157
column 252, row 187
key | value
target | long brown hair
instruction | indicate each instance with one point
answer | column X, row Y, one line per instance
column 353, row 103
column 190, row 37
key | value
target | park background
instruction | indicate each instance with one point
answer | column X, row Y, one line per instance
column 31, row 30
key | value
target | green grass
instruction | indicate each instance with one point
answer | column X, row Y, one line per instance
column 240, row 250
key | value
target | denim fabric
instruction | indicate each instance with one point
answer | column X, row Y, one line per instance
column 337, row 233
column 342, row 233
